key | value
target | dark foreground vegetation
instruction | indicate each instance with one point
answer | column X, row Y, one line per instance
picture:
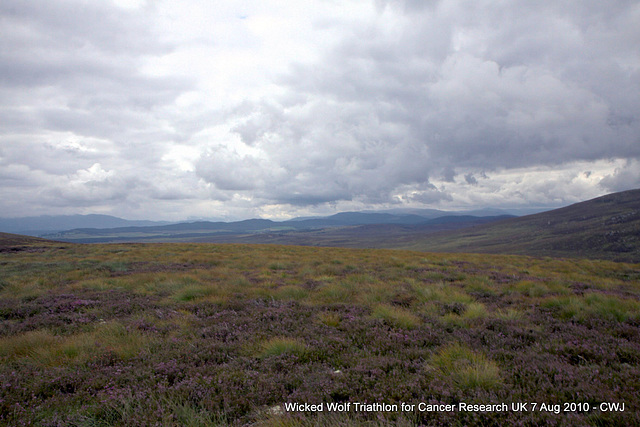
column 199, row 334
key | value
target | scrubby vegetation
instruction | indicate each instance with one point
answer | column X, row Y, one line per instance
column 200, row 334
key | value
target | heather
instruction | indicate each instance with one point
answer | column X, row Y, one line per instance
column 203, row 334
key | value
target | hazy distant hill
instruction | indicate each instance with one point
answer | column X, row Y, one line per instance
column 336, row 230
column 355, row 236
column 357, row 218
column 38, row 225
column 607, row 227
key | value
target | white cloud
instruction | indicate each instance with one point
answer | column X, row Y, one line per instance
column 626, row 175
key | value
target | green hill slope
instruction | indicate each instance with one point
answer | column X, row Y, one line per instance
column 607, row 227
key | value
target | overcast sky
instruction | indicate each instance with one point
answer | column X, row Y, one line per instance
column 237, row 109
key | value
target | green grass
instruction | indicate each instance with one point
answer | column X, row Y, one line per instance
column 467, row 369
column 441, row 293
column 396, row 316
column 594, row 306
column 291, row 292
column 26, row 344
column 281, row 345
column 329, row 318
column 45, row 348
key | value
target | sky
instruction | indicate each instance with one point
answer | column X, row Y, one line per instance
column 173, row 110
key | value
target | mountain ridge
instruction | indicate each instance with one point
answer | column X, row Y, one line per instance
column 43, row 224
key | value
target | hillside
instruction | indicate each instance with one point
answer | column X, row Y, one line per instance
column 18, row 243
column 607, row 227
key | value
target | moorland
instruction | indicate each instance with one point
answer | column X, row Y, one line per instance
column 228, row 334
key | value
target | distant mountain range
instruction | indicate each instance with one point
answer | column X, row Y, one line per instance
column 607, row 227
column 254, row 230
column 435, row 213
column 51, row 224
column 39, row 225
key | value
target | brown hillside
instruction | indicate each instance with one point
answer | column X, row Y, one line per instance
column 17, row 243
column 607, row 227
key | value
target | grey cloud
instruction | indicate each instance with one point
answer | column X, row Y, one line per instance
column 448, row 174
column 314, row 197
column 470, row 179
column 429, row 194
column 41, row 154
column 228, row 170
column 75, row 64
column 490, row 87
column 72, row 96
column 74, row 23
column 316, row 153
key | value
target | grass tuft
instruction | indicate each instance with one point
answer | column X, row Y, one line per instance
column 281, row 345
column 116, row 338
column 510, row 315
column 193, row 292
column 441, row 292
column 594, row 306
column 27, row 344
column 480, row 285
column 330, row 319
column 396, row 316
column 467, row 369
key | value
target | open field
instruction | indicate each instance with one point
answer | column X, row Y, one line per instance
column 205, row 334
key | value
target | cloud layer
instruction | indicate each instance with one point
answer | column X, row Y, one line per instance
column 158, row 111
